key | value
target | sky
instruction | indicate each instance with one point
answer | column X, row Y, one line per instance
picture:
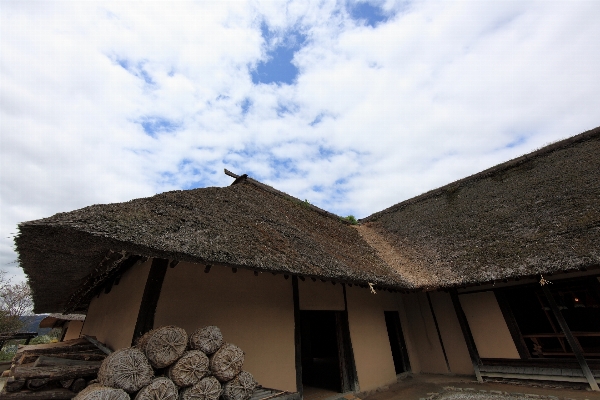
column 354, row 106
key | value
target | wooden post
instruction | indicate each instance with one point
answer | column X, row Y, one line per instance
column 512, row 325
column 464, row 326
column 573, row 343
column 297, row 336
column 350, row 364
column 145, row 319
column 437, row 328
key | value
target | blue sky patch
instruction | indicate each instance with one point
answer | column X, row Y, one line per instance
column 519, row 140
column 155, row 125
column 135, row 69
column 367, row 13
column 278, row 68
column 245, row 105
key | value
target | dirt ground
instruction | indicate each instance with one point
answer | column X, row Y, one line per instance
column 442, row 387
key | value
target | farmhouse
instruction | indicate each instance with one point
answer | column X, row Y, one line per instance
column 495, row 275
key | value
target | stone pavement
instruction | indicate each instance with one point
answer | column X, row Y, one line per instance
column 443, row 387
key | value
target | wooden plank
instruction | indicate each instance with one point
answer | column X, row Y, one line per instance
column 297, row 335
column 466, row 331
column 145, row 319
column 512, row 325
column 55, row 372
column 45, row 361
column 573, row 343
column 57, row 394
column 99, row 345
column 83, row 356
column 33, row 347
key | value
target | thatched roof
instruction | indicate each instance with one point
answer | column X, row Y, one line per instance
column 539, row 213
column 248, row 225
column 58, row 320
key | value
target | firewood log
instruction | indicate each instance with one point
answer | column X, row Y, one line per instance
column 227, row 362
column 45, row 361
column 189, row 369
column 78, row 385
column 239, row 388
column 13, row 384
column 159, row 389
column 37, row 383
column 99, row 392
column 207, row 389
column 208, row 339
column 126, row 369
column 163, row 346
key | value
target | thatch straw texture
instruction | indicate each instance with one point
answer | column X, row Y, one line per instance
column 244, row 225
column 99, row 392
column 208, row 339
column 227, row 362
column 536, row 214
column 190, row 368
column 207, row 389
column 159, row 389
column 126, row 369
column 163, row 346
column 240, row 388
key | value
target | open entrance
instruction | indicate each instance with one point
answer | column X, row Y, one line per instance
column 397, row 343
column 579, row 302
column 324, row 350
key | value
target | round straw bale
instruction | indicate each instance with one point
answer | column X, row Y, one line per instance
column 227, row 362
column 207, row 389
column 189, row 369
column 126, row 369
column 99, row 392
column 239, row 388
column 159, row 389
column 165, row 345
column 207, row 339
column 142, row 340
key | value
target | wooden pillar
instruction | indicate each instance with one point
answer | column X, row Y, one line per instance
column 512, row 325
column 349, row 362
column 145, row 319
column 573, row 343
column 464, row 326
column 297, row 336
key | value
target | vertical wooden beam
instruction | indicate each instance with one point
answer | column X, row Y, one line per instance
column 573, row 343
column 349, row 352
column 437, row 328
column 511, row 322
column 464, row 326
column 145, row 319
column 297, row 336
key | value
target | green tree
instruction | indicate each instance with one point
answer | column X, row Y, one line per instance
column 15, row 304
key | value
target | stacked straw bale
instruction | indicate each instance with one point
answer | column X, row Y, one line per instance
column 167, row 365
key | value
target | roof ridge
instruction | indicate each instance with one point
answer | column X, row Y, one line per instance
column 561, row 144
column 245, row 179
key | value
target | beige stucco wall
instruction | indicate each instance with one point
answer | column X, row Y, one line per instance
column 320, row 296
column 368, row 334
column 111, row 317
column 425, row 340
column 255, row 313
column 452, row 336
column 491, row 335
column 73, row 330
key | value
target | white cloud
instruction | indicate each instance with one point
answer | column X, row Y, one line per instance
column 438, row 92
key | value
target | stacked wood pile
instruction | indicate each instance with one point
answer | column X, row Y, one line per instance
column 166, row 364
column 54, row 370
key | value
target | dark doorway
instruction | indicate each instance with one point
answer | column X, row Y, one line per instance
column 579, row 302
column 399, row 352
column 322, row 350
